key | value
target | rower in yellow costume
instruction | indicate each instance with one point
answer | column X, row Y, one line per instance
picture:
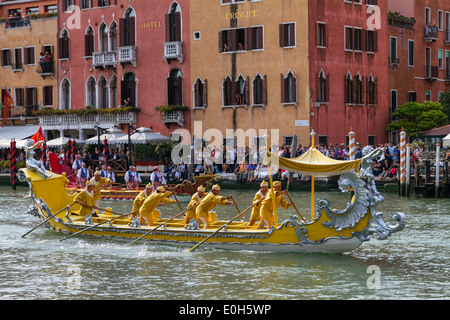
column 99, row 183
column 256, row 211
column 196, row 198
column 267, row 217
column 150, row 204
column 139, row 200
column 208, row 203
column 86, row 199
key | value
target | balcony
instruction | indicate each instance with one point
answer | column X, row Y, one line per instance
column 447, row 75
column 431, row 34
column 16, row 22
column 431, row 73
column 173, row 50
column 104, row 59
column 86, row 121
column 174, row 116
column 127, row 55
column 47, row 69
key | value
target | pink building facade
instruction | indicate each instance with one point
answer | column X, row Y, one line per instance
column 348, row 70
column 115, row 53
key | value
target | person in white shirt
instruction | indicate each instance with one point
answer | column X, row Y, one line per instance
column 110, row 174
column 83, row 175
column 132, row 178
column 157, row 178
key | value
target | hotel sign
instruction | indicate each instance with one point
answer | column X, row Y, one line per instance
column 155, row 24
column 240, row 14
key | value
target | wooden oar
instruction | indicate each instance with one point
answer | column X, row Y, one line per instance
column 235, row 204
column 178, row 202
column 295, row 207
column 53, row 215
column 162, row 224
column 240, row 214
column 99, row 224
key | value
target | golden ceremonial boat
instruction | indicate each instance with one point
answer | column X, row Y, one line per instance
column 330, row 230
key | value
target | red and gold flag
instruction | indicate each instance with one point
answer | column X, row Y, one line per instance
column 7, row 104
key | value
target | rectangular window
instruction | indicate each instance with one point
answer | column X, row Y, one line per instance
column 427, row 16
column 371, row 38
column 411, row 53
column 6, row 58
column 412, row 96
column 394, row 59
column 29, row 56
column 18, row 62
column 321, row 40
column 348, row 38
column 372, row 140
column 31, row 97
column 241, row 39
column 287, row 35
column 441, row 59
column 440, row 20
column 428, row 96
column 47, row 94
column 255, row 38
column 357, row 39
column 19, row 95
column 393, row 102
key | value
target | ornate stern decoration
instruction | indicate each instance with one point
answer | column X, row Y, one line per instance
column 366, row 197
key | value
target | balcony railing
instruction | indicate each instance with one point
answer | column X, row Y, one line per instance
column 431, row 72
column 173, row 50
column 431, row 33
column 47, row 69
column 75, row 120
column 175, row 116
column 104, row 58
column 127, row 55
column 16, row 22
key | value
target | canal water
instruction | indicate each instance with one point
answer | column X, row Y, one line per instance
column 412, row 264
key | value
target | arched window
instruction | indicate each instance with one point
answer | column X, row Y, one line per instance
column 227, row 92
column 65, row 95
column 89, row 42
column 200, row 93
column 128, row 90
column 241, row 91
column 113, row 90
column 173, row 23
column 175, row 88
column 348, row 88
column 323, row 87
column 64, row 45
column 258, row 90
column 359, row 89
column 289, row 88
column 113, row 36
column 127, row 29
column 91, row 92
column 103, row 92
column 103, row 40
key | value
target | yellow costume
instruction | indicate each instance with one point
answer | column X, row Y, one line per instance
column 152, row 202
column 191, row 213
column 98, row 185
column 208, row 203
column 139, row 200
column 87, row 198
column 256, row 211
column 267, row 206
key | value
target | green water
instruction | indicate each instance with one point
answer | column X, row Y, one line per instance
column 412, row 264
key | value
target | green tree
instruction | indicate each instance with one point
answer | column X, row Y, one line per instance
column 445, row 101
column 416, row 117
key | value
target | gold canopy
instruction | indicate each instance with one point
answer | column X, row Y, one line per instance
column 312, row 162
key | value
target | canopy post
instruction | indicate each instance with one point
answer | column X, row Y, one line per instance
column 271, row 184
column 313, row 136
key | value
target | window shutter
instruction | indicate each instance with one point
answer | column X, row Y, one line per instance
column 327, row 88
column 221, row 41
column 375, row 41
column 362, row 90
column 375, row 92
column 355, row 90
column 177, row 26
column 246, row 92
column 249, row 39
column 169, row 91
column 282, row 44
column 294, row 89
column 345, row 89
column 233, row 92
column 325, row 28
column 205, row 93
column 364, row 40
column 132, row 31
column 197, row 93
column 87, row 43
column 292, row 34
column 180, row 90
column 133, row 93
column 264, row 90
column 167, row 18
column 233, row 40
column 122, row 32
column 283, row 89
column 26, row 55
column 3, row 58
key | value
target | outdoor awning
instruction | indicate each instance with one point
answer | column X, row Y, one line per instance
column 313, row 162
column 62, row 141
column 17, row 133
column 144, row 135
column 111, row 136
column 446, row 141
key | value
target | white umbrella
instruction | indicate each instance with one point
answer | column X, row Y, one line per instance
column 446, row 141
column 62, row 141
column 142, row 136
column 111, row 136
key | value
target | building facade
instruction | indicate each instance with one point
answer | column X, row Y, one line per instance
column 348, row 70
column 124, row 53
column 419, row 51
column 249, row 69
column 28, row 29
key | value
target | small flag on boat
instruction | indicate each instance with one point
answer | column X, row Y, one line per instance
column 38, row 136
